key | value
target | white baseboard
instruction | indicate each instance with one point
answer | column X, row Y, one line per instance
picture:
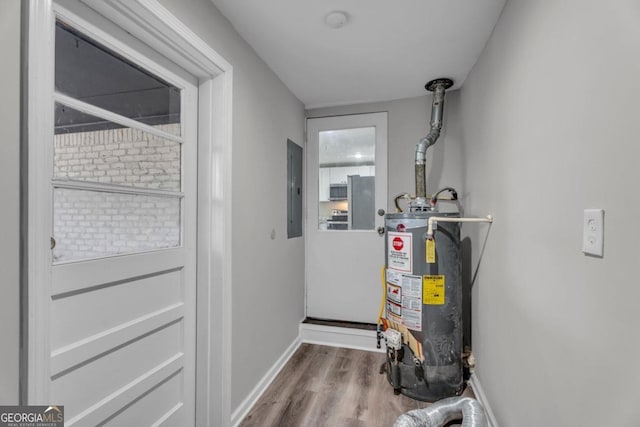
column 333, row 336
column 243, row 409
column 482, row 398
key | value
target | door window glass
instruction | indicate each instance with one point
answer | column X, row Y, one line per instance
column 93, row 224
column 108, row 153
column 116, row 188
column 92, row 73
column 346, row 184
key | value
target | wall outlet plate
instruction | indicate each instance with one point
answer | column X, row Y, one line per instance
column 593, row 232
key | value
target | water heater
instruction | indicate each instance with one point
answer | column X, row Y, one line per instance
column 423, row 306
column 422, row 328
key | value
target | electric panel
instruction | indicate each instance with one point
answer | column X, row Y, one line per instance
column 294, row 189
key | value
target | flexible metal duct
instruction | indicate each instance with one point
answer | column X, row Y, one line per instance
column 438, row 87
column 444, row 411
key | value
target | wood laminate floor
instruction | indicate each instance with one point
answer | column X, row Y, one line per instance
column 329, row 386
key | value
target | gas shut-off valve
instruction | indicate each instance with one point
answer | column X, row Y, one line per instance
column 392, row 338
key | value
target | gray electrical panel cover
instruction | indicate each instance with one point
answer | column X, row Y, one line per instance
column 294, row 189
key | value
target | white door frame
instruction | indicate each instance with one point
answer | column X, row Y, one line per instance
column 153, row 24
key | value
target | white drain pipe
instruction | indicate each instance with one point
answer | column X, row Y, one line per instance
column 434, row 219
column 444, row 411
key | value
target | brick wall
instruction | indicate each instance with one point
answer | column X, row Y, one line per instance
column 119, row 156
column 90, row 224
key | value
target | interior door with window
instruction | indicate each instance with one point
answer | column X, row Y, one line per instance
column 346, row 200
column 120, row 300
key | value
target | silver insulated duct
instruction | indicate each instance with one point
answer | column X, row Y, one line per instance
column 443, row 412
column 438, row 87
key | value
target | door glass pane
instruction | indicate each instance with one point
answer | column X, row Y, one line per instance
column 346, row 184
column 91, row 224
column 91, row 149
column 90, row 72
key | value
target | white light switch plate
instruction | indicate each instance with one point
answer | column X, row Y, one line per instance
column 593, row 232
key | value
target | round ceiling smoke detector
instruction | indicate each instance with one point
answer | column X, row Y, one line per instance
column 336, row 19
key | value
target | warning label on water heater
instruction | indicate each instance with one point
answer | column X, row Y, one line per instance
column 433, row 288
column 404, row 299
column 399, row 246
column 412, row 302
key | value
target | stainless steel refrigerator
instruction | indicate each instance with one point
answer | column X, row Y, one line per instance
column 361, row 197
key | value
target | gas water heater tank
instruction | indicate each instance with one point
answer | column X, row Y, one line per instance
column 424, row 300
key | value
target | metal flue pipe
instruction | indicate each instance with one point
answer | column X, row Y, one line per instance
column 438, row 87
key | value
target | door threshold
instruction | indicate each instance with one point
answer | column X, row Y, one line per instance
column 340, row 323
column 340, row 334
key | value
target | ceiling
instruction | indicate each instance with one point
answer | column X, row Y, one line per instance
column 387, row 50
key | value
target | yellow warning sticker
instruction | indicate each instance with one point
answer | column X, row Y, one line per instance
column 431, row 251
column 433, row 290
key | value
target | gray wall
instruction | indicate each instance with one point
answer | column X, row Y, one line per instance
column 551, row 127
column 9, row 189
column 408, row 123
column 268, row 275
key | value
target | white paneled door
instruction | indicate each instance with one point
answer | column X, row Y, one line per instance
column 119, row 311
column 346, row 200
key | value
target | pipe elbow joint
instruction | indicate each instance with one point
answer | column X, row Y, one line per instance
column 421, row 151
column 422, row 146
column 432, row 136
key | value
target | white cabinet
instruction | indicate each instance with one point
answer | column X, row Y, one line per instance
column 339, row 174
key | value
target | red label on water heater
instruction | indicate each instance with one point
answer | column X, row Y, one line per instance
column 397, row 243
column 401, row 228
column 399, row 251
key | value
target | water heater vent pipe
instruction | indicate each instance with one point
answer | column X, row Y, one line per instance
column 438, row 87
